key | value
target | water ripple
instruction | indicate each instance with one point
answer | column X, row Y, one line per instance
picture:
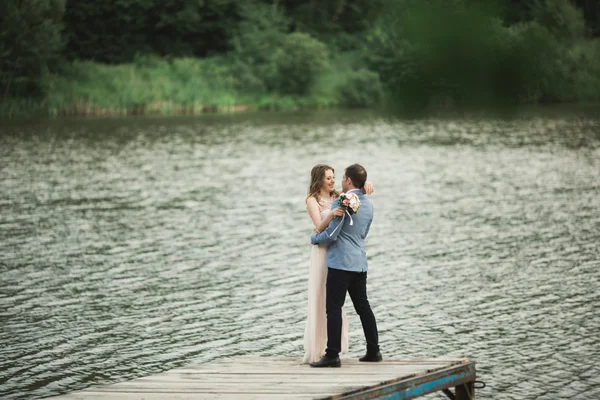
column 132, row 246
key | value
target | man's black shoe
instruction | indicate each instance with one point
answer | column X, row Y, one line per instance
column 325, row 362
column 371, row 357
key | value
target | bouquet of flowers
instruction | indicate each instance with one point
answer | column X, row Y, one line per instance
column 350, row 202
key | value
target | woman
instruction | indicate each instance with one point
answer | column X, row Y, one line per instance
column 321, row 194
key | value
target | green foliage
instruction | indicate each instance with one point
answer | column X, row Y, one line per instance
column 460, row 54
column 182, row 55
column 153, row 85
column 548, row 70
column 362, row 88
column 106, row 30
column 29, row 42
column 113, row 31
column 184, row 81
column 258, row 36
column 300, row 61
column 533, row 62
column 441, row 51
column 585, row 59
column 22, row 107
column 560, row 17
column 269, row 59
column 192, row 27
column 334, row 16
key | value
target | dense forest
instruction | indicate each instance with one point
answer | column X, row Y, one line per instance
column 111, row 56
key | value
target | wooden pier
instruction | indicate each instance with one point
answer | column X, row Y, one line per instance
column 286, row 378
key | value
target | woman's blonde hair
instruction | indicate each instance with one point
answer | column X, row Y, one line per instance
column 317, row 175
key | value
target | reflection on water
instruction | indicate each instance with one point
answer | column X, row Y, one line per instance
column 133, row 246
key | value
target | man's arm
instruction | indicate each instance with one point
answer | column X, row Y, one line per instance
column 330, row 234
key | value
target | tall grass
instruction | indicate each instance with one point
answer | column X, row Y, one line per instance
column 149, row 85
column 153, row 85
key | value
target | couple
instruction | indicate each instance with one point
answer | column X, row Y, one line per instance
column 338, row 264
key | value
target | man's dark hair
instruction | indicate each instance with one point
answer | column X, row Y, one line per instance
column 357, row 174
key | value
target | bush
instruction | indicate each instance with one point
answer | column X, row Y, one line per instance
column 300, row 61
column 362, row 89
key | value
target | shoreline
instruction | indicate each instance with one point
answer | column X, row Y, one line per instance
column 157, row 108
column 80, row 110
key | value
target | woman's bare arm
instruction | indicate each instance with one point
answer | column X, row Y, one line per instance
column 315, row 214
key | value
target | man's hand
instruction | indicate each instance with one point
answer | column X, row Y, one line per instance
column 312, row 238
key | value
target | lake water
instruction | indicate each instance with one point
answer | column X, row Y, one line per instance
column 133, row 246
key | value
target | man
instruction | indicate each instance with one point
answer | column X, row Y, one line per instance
column 347, row 271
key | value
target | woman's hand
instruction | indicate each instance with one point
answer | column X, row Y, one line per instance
column 369, row 188
column 338, row 212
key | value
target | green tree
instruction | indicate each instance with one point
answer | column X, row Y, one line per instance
column 335, row 16
column 300, row 61
column 257, row 37
column 192, row 27
column 30, row 41
column 561, row 17
column 270, row 59
column 114, row 31
column 460, row 53
column 110, row 31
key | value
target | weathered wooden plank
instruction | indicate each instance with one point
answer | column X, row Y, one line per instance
column 289, row 360
column 286, row 390
column 266, row 378
column 296, row 362
column 173, row 379
column 406, row 389
column 307, row 371
column 143, row 385
column 223, row 386
column 253, row 366
column 90, row 395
